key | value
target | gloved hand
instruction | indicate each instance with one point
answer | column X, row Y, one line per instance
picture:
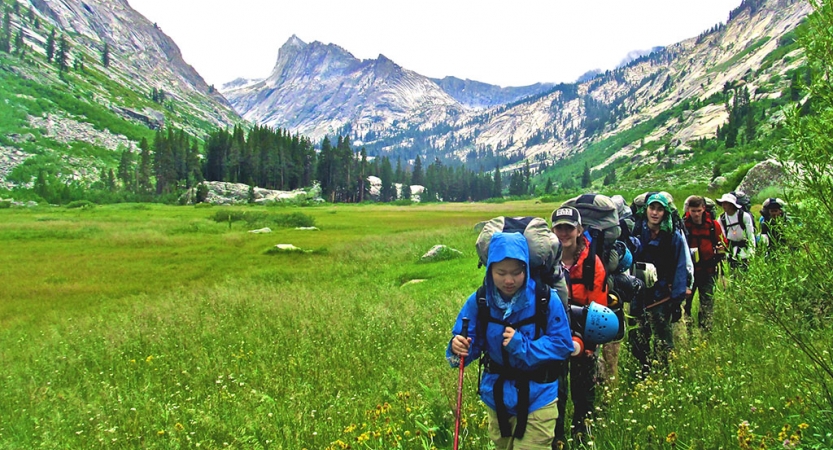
column 676, row 310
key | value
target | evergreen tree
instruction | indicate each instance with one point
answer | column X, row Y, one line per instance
column 586, row 179
column 388, row 192
column 497, row 186
column 516, row 183
column 145, row 167
column 50, row 46
column 194, row 174
column 610, row 178
column 325, row 169
column 19, row 44
column 61, row 59
column 78, row 65
column 417, row 176
column 548, row 186
column 363, row 167
column 110, row 182
column 795, row 86
column 41, row 186
column 6, row 33
column 398, row 174
column 105, row 55
column 125, row 169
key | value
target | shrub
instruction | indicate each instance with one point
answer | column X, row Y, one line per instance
column 5, row 204
column 83, row 204
column 202, row 193
column 495, row 200
column 258, row 218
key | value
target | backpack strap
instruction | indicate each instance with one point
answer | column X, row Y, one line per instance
column 543, row 293
column 741, row 222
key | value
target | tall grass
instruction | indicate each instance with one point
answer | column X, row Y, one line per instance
column 223, row 347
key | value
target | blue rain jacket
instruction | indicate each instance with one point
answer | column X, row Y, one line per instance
column 669, row 257
column 525, row 352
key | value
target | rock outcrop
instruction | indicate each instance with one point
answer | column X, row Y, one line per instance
column 769, row 173
column 222, row 193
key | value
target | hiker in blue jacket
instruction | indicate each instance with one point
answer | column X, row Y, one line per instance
column 522, row 358
column 666, row 250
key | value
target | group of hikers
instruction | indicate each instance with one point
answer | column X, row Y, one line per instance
column 549, row 317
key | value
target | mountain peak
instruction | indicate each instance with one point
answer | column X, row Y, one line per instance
column 293, row 45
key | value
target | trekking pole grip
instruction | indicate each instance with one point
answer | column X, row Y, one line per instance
column 465, row 331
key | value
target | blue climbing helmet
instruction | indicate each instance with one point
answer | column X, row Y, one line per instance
column 601, row 325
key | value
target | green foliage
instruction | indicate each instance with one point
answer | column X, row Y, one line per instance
column 170, row 319
column 82, row 204
column 734, row 179
column 260, row 218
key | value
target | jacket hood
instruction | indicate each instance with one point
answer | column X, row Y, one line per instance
column 507, row 245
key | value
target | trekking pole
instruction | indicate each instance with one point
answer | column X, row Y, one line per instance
column 459, row 412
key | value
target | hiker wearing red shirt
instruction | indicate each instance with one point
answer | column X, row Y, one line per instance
column 705, row 242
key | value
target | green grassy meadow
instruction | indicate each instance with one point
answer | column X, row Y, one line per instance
column 150, row 326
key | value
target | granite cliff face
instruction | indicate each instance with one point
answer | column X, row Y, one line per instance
column 102, row 108
column 142, row 56
column 320, row 89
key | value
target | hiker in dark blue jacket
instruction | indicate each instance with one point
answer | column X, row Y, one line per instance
column 521, row 361
column 665, row 249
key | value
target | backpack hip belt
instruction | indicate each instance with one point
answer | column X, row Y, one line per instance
column 549, row 373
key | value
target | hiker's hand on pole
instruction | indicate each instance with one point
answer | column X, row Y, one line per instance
column 460, row 345
column 508, row 333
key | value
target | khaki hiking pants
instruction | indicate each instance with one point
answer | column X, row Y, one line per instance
column 540, row 430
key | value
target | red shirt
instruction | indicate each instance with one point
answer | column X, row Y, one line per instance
column 704, row 237
column 579, row 295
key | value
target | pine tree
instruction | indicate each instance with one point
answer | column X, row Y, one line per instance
column 497, row 187
column 417, row 176
column 144, row 170
column 50, row 46
column 125, row 169
column 586, row 179
column 105, row 55
column 78, row 65
column 6, row 33
column 41, row 186
column 111, row 181
column 62, row 57
column 19, row 44
column 388, row 193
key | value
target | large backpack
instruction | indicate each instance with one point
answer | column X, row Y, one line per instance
column 711, row 215
column 743, row 200
column 545, row 269
column 544, row 264
column 600, row 218
column 745, row 208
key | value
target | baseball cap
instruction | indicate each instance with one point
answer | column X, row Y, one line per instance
column 566, row 215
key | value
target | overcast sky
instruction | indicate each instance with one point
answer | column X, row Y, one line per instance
column 499, row 42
